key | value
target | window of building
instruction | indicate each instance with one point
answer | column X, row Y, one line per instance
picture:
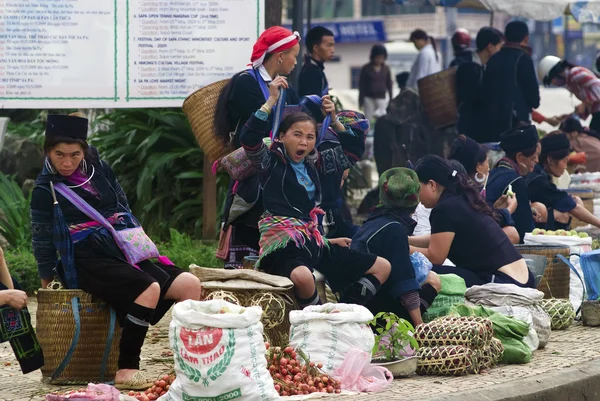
column 354, row 77
column 325, row 9
column 372, row 8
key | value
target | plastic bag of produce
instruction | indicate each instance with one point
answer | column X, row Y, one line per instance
column 453, row 293
column 502, row 295
column 422, row 266
column 219, row 353
column 96, row 392
column 326, row 333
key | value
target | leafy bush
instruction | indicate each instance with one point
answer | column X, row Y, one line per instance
column 158, row 162
column 15, row 221
column 183, row 251
column 23, row 267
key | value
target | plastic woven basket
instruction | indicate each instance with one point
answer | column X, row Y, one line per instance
column 274, row 294
column 438, row 97
column 199, row 109
column 56, row 328
column 557, row 276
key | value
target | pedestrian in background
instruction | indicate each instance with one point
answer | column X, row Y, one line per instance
column 428, row 61
column 375, row 83
column 320, row 48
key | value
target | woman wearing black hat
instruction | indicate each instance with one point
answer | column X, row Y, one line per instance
column 522, row 149
column 474, row 158
column 463, row 229
column 73, row 185
column 553, row 163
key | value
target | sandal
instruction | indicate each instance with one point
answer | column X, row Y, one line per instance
column 138, row 381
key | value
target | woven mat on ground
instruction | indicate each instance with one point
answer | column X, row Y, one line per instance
column 239, row 279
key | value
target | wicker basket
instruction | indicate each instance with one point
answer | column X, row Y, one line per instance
column 274, row 294
column 556, row 279
column 590, row 313
column 438, row 97
column 56, row 328
column 199, row 108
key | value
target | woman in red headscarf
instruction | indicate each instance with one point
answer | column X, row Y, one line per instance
column 273, row 58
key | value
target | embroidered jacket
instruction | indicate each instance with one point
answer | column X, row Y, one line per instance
column 282, row 193
column 111, row 199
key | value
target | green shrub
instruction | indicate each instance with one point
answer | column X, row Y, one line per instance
column 15, row 221
column 159, row 164
column 183, row 251
column 23, row 267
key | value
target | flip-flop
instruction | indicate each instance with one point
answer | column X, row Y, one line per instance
column 138, row 381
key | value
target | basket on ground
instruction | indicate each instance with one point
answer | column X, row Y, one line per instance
column 438, row 97
column 557, row 276
column 199, row 108
column 274, row 294
column 71, row 323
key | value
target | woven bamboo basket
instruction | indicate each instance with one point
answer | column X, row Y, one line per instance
column 556, row 279
column 438, row 97
column 55, row 331
column 199, row 108
column 274, row 294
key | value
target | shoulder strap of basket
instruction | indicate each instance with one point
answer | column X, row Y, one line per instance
column 67, row 359
column 111, row 331
column 568, row 263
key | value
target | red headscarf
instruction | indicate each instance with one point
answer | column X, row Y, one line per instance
column 273, row 40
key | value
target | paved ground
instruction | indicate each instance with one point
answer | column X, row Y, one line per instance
column 570, row 355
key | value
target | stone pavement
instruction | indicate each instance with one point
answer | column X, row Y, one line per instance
column 570, row 354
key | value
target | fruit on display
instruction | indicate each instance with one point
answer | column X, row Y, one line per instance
column 561, row 233
column 294, row 374
column 159, row 388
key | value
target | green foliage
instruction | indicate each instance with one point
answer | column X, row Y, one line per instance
column 183, row 251
column 15, row 220
column 158, row 162
column 23, row 267
column 393, row 334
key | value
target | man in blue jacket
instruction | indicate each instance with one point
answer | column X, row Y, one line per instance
column 510, row 83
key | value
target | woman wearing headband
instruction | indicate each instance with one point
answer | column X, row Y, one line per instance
column 522, row 147
column 463, row 229
column 273, row 58
column 290, row 174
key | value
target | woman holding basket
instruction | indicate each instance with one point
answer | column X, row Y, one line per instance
column 80, row 212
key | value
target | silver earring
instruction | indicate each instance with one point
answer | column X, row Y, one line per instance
column 49, row 166
column 83, row 166
column 279, row 62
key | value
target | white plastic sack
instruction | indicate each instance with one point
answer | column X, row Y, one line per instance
column 556, row 240
column 495, row 295
column 218, row 355
column 576, row 286
column 523, row 314
column 326, row 333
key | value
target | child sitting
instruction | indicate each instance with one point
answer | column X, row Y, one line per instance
column 290, row 176
column 385, row 233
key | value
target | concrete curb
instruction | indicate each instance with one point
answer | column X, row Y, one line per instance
column 578, row 383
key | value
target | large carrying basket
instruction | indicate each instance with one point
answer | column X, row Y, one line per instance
column 557, row 276
column 438, row 97
column 199, row 108
column 274, row 294
column 79, row 335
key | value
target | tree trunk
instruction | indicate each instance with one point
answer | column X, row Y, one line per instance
column 273, row 11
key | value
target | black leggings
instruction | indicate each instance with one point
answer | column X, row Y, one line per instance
column 472, row 278
column 383, row 302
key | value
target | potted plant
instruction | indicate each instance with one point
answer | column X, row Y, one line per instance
column 395, row 344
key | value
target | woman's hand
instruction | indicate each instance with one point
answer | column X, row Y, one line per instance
column 512, row 204
column 275, row 85
column 16, row 299
column 328, row 107
column 502, row 202
column 343, row 242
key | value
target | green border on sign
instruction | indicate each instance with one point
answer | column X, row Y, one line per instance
column 115, row 98
column 128, row 98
